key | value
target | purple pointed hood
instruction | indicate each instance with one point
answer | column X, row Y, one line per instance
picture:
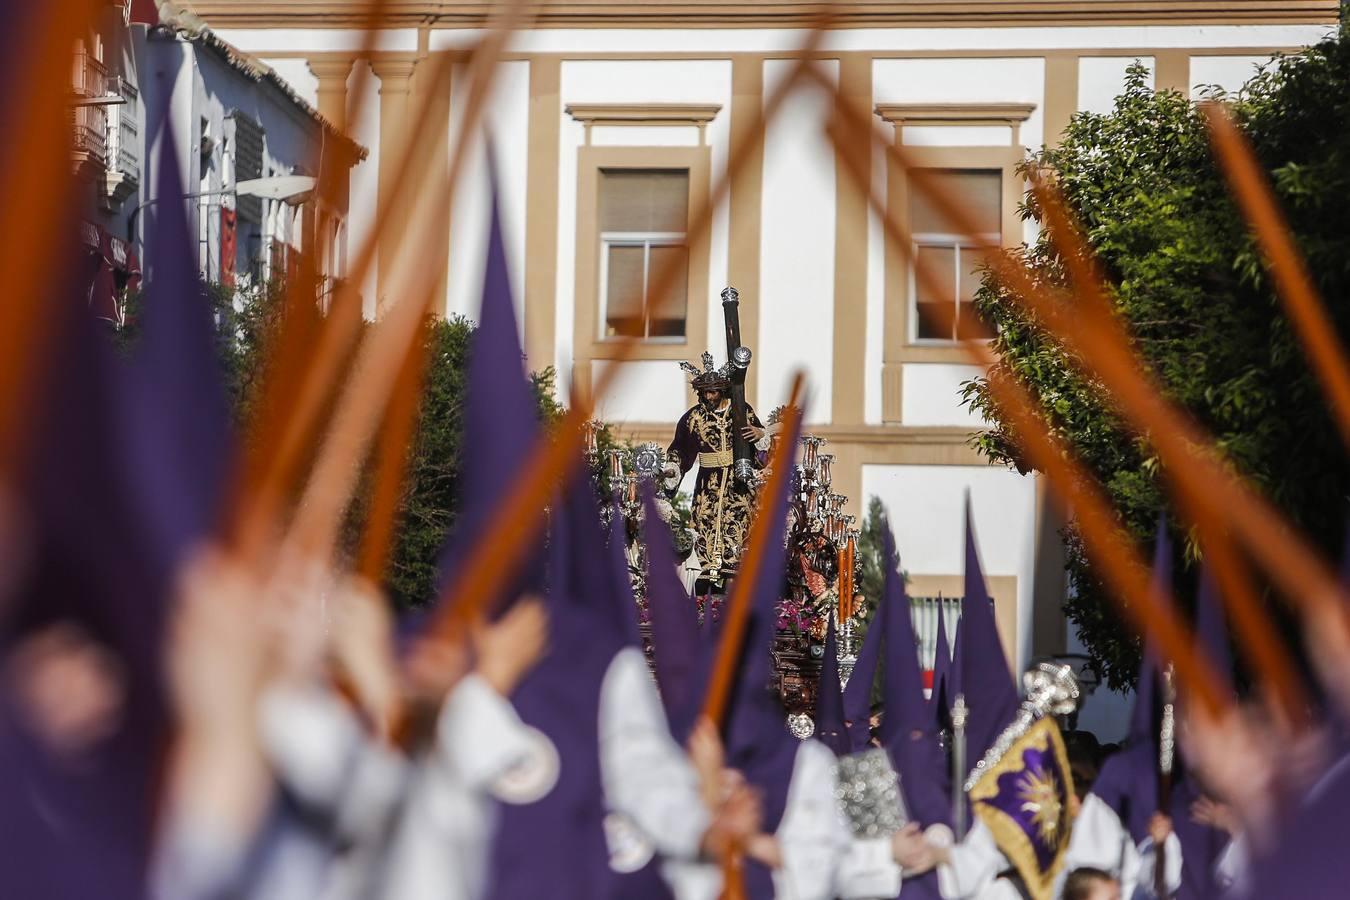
column 622, row 604
column 755, row 730
column 830, row 728
column 954, row 685
column 79, row 523
column 677, row 645
column 985, row 677
column 858, row 691
column 1211, row 628
column 940, row 699
column 501, row 425
column 1148, row 688
column 178, row 441
column 757, row 740
column 124, row 475
column 556, row 846
column 907, row 729
column 1128, row 782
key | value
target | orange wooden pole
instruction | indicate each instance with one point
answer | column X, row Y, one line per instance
column 391, row 464
column 1096, row 337
column 290, row 414
column 1292, row 280
column 1119, row 560
column 37, row 219
column 736, row 613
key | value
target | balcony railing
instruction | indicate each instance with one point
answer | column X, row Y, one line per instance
column 925, row 612
column 124, row 148
column 90, row 142
column 90, row 123
column 89, row 78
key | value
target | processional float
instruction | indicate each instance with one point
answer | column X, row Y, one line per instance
column 824, row 566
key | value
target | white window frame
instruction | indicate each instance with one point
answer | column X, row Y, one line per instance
column 960, row 243
column 646, row 240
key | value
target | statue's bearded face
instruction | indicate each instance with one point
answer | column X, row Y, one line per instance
column 710, row 399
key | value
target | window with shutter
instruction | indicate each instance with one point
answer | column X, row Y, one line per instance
column 643, row 221
column 248, row 163
column 954, row 258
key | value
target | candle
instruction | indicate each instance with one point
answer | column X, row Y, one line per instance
column 826, row 460
column 849, row 549
column 845, row 595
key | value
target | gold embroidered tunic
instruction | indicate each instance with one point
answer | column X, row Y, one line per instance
column 721, row 507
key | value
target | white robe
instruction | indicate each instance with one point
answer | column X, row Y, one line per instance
column 651, row 788
column 1098, row 840
column 973, row 867
column 1101, row 841
column 1233, row 868
column 483, row 753
column 322, row 757
column 821, row 857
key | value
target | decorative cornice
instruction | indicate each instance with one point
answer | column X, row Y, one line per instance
column 719, row 13
column 955, row 113
column 697, row 115
column 643, row 113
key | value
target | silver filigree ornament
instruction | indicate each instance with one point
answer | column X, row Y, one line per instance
column 1051, row 689
column 648, row 460
column 1167, row 728
column 867, row 789
column 801, row 725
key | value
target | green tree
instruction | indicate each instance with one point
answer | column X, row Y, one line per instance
column 871, row 553
column 431, row 490
column 1188, row 283
column 248, row 321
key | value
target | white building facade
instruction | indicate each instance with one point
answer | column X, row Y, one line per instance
column 609, row 120
column 231, row 119
column 234, row 119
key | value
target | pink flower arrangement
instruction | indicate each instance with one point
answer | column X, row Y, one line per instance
column 795, row 616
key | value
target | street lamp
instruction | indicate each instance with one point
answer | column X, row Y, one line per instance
column 291, row 189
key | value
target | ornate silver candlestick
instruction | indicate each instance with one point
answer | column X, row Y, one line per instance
column 616, row 473
column 826, row 461
column 848, row 656
column 810, row 452
column 591, row 435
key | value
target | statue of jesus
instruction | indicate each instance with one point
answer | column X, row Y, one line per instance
column 722, row 504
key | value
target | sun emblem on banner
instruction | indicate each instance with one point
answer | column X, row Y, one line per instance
column 1039, row 794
